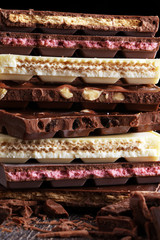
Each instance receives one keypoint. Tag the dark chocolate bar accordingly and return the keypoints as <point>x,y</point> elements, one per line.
<point>78,46</point>
<point>81,196</point>
<point>71,23</point>
<point>96,97</point>
<point>108,223</point>
<point>140,215</point>
<point>120,208</point>
<point>37,125</point>
<point>16,176</point>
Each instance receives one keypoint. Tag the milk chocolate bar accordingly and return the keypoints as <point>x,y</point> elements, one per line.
<point>37,125</point>
<point>79,46</point>
<point>91,70</point>
<point>66,97</point>
<point>76,175</point>
<point>71,23</point>
<point>133,147</point>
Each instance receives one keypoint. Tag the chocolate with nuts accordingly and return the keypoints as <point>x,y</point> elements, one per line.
<point>108,97</point>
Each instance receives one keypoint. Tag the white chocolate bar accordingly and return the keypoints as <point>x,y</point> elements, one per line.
<point>143,146</point>
<point>91,70</point>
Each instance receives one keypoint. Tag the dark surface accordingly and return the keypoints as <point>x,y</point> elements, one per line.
<point>19,233</point>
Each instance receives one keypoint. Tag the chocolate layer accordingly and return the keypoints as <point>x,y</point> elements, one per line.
<point>70,23</point>
<point>76,175</point>
<point>76,45</point>
<point>96,97</point>
<point>37,125</point>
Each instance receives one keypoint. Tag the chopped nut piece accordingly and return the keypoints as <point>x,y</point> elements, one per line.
<point>3,92</point>
<point>107,95</point>
<point>91,94</point>
<point>118,97</point>
<point>87,111</point>
<point>66,93</point>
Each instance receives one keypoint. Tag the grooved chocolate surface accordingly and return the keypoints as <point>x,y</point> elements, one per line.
<point>37,125</point>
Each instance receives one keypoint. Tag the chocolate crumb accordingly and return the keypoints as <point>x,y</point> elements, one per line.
<point>5,212</point>
<point>53,209</point>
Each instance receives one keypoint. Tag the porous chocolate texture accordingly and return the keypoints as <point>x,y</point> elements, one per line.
<point>70,23</point>
<point>65,97</point>
<point>37,125</point>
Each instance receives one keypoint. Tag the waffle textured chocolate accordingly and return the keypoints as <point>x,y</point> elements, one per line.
<point>142,146</point>
<point>91,70</point>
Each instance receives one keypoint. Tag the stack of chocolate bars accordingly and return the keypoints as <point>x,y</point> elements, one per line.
<point>79,99</point>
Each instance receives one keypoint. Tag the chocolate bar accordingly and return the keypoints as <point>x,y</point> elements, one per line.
<point>91,70</point>
<point>140,215</point>
<point>94,197</point>
<point>65,97</point>
<point>54,209</point>
<point>79,46</point>
<point>76,175</point>
<point>119,208</point>
<point>108,223</point>
<point>71,23</point>
<point>30,125</point>
<point>143,146</point>
<point>142,221</point>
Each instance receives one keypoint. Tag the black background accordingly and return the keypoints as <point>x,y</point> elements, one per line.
<point>128,7</point>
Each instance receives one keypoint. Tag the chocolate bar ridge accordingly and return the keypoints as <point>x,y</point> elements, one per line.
<point>31,19</point>
<point>37,125</point>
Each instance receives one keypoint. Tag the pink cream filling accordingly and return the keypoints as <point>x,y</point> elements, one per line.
<point>35,175</point>
<point>134,45</point>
